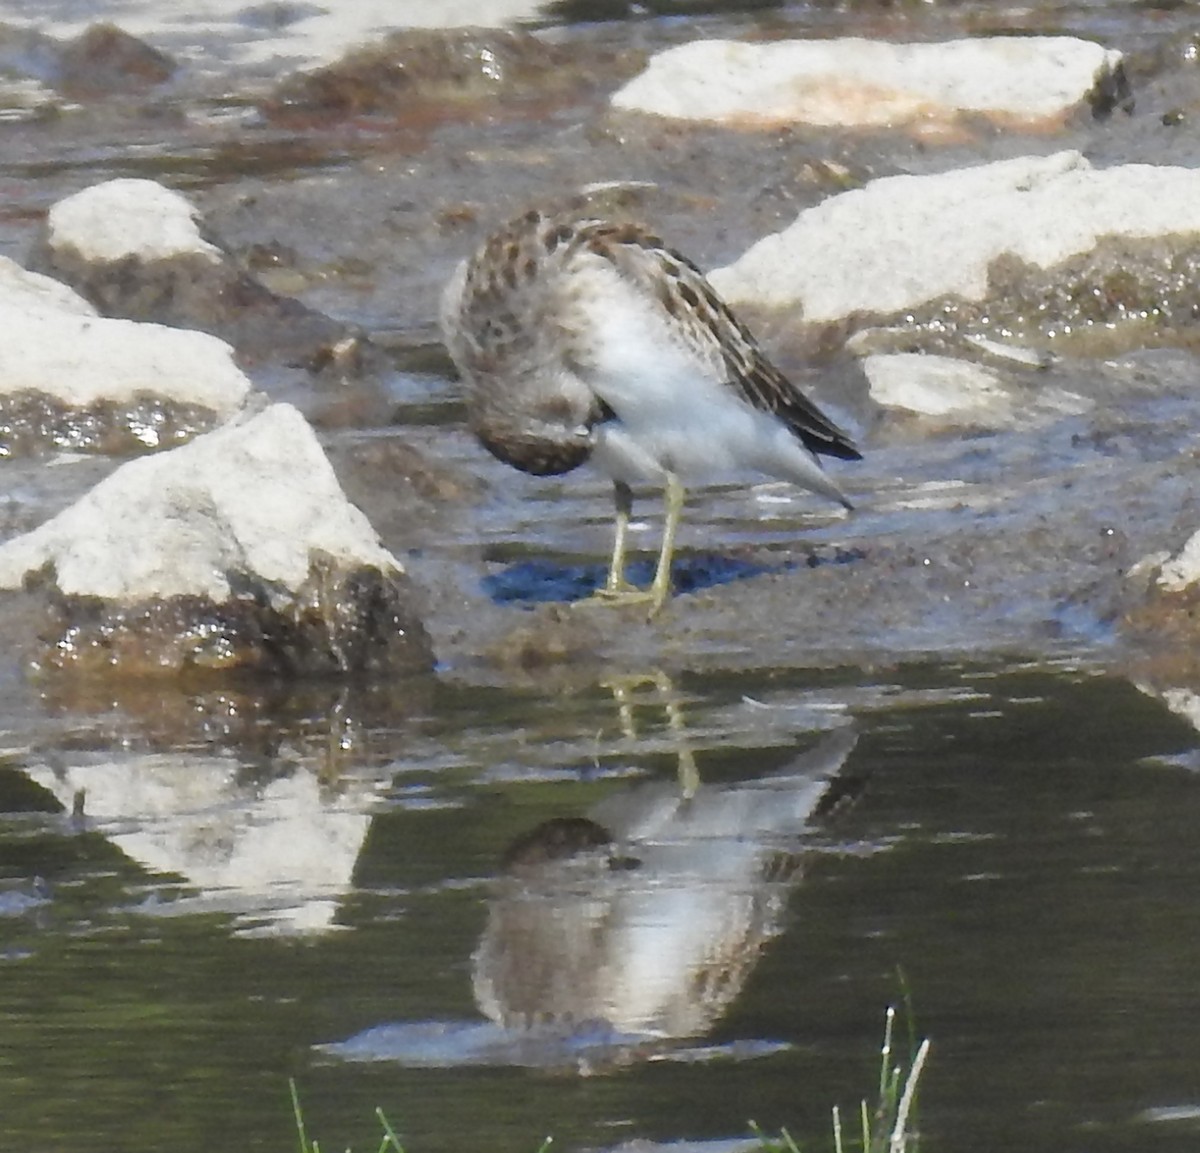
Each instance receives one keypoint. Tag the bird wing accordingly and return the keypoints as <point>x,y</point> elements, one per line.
<point>682,291</point>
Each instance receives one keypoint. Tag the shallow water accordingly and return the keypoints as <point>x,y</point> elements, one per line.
<point>1015,853</point>
<point>202,896</point>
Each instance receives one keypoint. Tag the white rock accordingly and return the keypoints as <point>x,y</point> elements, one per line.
<point>945,387</point>
<point>936,385</point>
<point>1184,569</point>
<point>80,360</point>
<point>1014,79</point>
<point>55,344</point>
<point>33,293</point>
<point>257,497</point>
<point>122,218</point>
<point>1149,566</point>
<point>1183,702</point>
<point>902,241</point>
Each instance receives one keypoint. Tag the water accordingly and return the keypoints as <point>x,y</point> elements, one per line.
<point>202,896</point>
<point>1015,851</point>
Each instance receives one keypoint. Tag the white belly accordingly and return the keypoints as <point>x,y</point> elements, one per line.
<point>675,412</point>
<point>699,441</point>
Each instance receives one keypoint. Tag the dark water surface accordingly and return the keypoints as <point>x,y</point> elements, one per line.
<point>1019,844</point>
<point>423,897</point>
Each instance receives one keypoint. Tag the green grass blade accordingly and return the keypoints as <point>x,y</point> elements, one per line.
<point>390,1137</point>
<point>298,1114</point>
<point>899,1138</point>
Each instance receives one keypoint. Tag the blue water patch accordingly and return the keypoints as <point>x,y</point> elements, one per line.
<point>18,902</point>
<point>1078,621</point>
<point>454,1044</point>
<point>451,1044</point>
<point>542,581</point>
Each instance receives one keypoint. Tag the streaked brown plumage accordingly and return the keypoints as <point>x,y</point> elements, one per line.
<point>580,338</point>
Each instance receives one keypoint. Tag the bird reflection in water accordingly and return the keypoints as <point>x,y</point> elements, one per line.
<point>613,936</point>
<point>646,916</point>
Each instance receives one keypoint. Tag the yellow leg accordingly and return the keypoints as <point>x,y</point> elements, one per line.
<point>616,589</point>
<point>660,589</point>
<point>689,774</point>
<point>623,495</point>
<point>624,689</point>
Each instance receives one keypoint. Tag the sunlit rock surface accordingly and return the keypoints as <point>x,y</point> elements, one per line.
<point>973,245</point>
<point>937,386</point>
<point>238,550</point>
<point>72,379</point>
<point>138,250</point>
<point>126,218</point>
<point>960,392</point>
<point>1182,571</point>
<point>1027,81</point>
<point>34,294</point>
<point>1163,619</point>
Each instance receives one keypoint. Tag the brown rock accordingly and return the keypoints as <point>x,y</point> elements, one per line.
<point>106,61</point>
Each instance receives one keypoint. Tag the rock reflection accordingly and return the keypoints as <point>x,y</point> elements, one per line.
<point>257,719</point>
<point>278,852</point>
<point>649,914</point>
<point>264,819</point>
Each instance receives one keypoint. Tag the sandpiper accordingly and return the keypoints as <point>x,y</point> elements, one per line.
<point>581,339</point>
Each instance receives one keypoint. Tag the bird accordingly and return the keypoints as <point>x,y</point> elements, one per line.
<point>580,338</point>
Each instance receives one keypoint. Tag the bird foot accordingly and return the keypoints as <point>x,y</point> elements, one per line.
<point>624,595</point>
